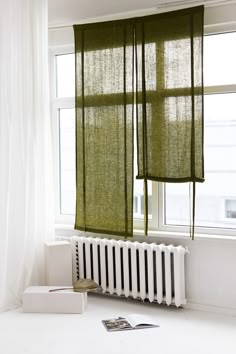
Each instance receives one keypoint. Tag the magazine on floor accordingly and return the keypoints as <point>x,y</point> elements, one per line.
<point>133,321</point>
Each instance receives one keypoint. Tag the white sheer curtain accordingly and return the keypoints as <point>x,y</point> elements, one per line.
<point>26,200</point>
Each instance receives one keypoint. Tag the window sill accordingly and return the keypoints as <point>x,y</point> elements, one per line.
<point>184,236</point>
<point>67,230</point>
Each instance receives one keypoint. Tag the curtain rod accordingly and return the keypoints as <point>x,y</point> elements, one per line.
<point>150,11</point>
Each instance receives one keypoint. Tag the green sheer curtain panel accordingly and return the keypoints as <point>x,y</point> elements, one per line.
<point>104,54</point>
<point>169,94</point>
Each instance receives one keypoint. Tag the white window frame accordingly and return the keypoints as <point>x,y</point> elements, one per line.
<point>58,103</point>
<point>156,225</point>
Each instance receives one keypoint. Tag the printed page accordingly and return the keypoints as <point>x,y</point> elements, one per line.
<point>141,321</point>
<point>117,324</point>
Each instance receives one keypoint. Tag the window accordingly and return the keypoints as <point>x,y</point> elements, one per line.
<point>63,123</point>
<point>169,204</point>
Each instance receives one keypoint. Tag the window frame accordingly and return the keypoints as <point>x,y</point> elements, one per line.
<point>156,225</point>
<point>57,103</point>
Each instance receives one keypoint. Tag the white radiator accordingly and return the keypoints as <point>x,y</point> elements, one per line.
<point>132,269</point>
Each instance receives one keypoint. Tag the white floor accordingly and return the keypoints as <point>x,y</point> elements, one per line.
<point>181,331</point>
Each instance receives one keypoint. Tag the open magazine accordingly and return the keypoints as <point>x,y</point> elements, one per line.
<point>133,321</point>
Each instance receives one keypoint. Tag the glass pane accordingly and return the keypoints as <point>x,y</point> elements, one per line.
<point>211,206</point>
<point>65,70</point>
<point>67,161</point>
<point>139,199</point>
<point>215,205</point>
<point>220,135</point>
<point>220,107</point>
<point>220,159</point>
<point>219,59</point>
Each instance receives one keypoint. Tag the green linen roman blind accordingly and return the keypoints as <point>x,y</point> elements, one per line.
<point>169,95</point>
<point>151,68</point>
<point>104,127</point>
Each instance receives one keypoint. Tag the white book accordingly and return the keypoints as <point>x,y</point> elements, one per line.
<point>132,321</point>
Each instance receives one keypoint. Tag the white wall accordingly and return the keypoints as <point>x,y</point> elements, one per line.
<point>211,263</point>
<point>210,273</point>
<point>210,269</point>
